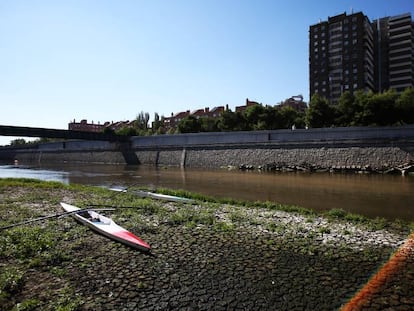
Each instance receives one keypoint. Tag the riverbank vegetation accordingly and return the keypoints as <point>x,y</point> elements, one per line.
<point>359,109</point>
<point>59,251</point>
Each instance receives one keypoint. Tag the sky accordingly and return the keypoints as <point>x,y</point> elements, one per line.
<point>105,60</point>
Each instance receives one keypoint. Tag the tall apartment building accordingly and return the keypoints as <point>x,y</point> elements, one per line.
<point>349,53</point>
<point>394,52</point>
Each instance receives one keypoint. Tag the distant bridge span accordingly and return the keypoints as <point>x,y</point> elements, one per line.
<point>22,131</point>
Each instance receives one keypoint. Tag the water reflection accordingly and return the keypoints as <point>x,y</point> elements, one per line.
<point>370,195</point>
<point>12,171</point>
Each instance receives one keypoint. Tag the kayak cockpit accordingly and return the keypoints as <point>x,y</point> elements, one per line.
<point>95,218</point>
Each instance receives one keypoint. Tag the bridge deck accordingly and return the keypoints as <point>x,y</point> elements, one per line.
<point>22,131</point>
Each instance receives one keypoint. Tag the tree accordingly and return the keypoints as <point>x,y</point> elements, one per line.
<point>209,124</point>
<point>108,130</point>
<point>189,124</point>
<point>18,142</point>
<point>320,113</point>
<point>158,123</point>
<point>232,121</point>
<point>290,116</point>
<point>380,109</point>
<point>345,112</point>
<point>272,119</point>
<point>127,131</point>
<point>361,114</point>
<point>254,115</point>
<point>405,106</point>
<point>141,120</point>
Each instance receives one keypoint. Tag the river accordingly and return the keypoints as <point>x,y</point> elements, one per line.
<point>373,195</point>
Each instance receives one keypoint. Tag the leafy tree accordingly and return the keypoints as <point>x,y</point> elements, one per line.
<point>405,106</point>
<point>380,109</point>
<point>362,115</point>
<point>189,124</point>
<point>345,112</point>
<point>18,142</point>
<point>254,115</point>
<point>290,116</point>
<point>108,130</point>
<point>158,124</point>
<point>127,131</point>
<point>320,113</point>
<point>141,120</point>
<point>209,124</point>
<point>272,119</point>
<point>232,121</point>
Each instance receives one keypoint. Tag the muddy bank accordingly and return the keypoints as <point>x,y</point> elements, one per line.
<point>204,256</point>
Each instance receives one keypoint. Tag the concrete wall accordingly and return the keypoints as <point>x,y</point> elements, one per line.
<point>278,136</point>
<point>378,148</point>
<point>325,148</point>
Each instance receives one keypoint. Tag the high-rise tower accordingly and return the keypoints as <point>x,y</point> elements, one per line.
<point>349,53</point>
<point>394,52</point>
<point>341,56</point>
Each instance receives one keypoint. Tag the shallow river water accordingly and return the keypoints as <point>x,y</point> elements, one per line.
<point>385,196</point>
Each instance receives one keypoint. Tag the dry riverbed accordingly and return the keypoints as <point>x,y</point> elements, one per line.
<point>205,256</point>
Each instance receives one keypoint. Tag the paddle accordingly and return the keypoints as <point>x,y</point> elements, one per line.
<point>54,216</point>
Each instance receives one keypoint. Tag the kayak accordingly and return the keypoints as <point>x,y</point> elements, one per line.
<point>107,227</point>
<point>158,196</point>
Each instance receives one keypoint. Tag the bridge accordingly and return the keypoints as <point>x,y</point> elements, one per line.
<point>22,131</point>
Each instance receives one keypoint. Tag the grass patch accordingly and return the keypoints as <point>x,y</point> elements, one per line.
<point>189,217</point>
<point>68,301</point>
<point>324,230</point>
<point>11,280</point>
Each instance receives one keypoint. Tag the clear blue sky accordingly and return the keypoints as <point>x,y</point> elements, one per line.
<point>109,60</point>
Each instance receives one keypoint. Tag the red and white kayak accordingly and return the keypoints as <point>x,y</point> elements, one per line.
<point>106,227</point>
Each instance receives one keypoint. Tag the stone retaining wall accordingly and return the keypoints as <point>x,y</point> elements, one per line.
<point>321,157</point>
<point>377,148</point>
